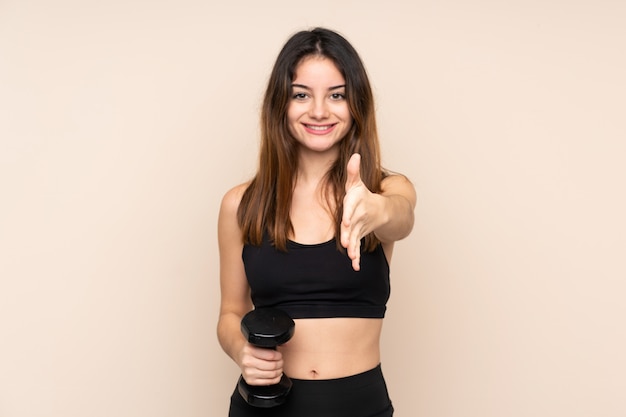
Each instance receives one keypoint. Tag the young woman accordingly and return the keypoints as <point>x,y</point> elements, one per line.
<point>312,234</point>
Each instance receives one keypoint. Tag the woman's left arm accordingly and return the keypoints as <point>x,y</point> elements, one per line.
<point>398,208</point>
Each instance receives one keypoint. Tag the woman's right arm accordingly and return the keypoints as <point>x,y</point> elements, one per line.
<point>258,366</point>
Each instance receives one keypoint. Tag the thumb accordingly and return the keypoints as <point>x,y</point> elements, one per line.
<point>353,171</point>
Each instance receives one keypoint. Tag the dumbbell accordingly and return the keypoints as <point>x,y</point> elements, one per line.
<point>266,328</point>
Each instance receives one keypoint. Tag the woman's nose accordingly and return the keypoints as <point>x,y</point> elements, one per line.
<point>318,109</point>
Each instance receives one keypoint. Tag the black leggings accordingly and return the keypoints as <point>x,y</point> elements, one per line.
<point>361,395</point>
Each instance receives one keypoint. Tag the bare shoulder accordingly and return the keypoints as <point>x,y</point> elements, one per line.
<point>232,198</point>
<point>398,184</point>
<point>228,226</point>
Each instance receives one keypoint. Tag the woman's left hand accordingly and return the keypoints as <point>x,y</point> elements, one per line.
<point>361,211</point>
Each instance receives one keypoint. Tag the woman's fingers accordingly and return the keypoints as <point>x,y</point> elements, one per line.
<point>261,366</point>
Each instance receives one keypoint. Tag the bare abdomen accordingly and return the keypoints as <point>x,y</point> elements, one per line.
<point>332,348</point>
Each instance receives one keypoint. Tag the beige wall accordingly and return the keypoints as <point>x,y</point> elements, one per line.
<point>122,123</point>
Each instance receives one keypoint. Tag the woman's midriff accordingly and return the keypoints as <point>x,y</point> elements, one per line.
<point>332,348</point>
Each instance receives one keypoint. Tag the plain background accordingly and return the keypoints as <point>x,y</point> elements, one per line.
<point>122,123</point>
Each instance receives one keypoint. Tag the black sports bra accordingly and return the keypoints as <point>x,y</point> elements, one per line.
<point>317,281</point>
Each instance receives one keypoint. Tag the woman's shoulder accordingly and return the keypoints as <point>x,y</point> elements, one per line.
<point>232,197</point>
<point>396,183</point>
<point>228,225</point>
<point>391,177</point>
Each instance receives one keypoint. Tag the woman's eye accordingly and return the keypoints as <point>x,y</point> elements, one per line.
<point>299,96</point>
<point>337,96</point>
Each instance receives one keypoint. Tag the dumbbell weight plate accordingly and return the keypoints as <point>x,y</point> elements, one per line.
<point>267,327</point>
<point>265,396</point>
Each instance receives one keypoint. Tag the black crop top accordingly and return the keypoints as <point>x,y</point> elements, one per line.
<point>317,281</point>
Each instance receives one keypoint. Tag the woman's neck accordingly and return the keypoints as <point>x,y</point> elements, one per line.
<point>313,166</point>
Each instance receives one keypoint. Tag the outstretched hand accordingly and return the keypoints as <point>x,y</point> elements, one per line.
<point>358,211</point>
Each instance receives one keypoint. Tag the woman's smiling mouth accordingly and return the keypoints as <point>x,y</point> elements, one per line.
<point>319,129</point>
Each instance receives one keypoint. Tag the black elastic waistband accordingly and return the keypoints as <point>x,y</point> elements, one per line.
<point>360,395</point>
<point>355,381</point>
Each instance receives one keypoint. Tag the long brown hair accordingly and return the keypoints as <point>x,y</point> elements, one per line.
<point>266,203</point>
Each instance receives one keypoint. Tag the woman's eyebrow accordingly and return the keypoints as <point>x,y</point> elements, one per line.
<point>308,88</point>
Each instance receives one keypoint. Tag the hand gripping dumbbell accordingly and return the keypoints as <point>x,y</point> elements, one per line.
<point>266,328</point>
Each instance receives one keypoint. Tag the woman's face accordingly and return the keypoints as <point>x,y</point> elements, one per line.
<point>318,114</point>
